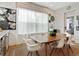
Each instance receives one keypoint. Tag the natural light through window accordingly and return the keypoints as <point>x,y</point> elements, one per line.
<point>29,21</point>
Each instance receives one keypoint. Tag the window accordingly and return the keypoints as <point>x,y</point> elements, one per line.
<point>29,21</point>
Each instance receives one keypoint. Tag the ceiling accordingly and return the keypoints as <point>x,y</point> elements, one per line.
<point>54,5</point>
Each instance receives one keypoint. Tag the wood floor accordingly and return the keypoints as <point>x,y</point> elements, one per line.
<point>21,50</point>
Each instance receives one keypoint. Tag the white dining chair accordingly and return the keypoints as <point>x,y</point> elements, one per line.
<point>57,47</point>
<point>32,46</point>
<point>68,44</point>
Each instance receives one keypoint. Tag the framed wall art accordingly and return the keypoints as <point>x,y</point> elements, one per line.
<point>7,18</point>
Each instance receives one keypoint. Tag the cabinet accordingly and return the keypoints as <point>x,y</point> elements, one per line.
<point>3,42</point>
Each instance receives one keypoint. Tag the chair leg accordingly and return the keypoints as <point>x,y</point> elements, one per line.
<point>28,53</point>
<point>55,50</point>
<point>70,48</point>
<point>37,53</point>
<point>46,49</point>
<point>62,51</point>
<point>67,50</point>
<point>49,45</point>
<point>31,53</point>
<point>51,51</point>
<point>58,50</point>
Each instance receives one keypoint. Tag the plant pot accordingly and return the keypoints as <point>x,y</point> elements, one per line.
<point>54,34</point>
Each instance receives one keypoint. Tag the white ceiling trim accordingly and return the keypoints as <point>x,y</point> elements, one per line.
<point>54,5</point>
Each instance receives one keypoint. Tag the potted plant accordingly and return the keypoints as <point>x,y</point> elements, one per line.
<point>53,33</point>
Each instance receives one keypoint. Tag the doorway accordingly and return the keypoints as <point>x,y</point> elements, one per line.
<point>69,23</point>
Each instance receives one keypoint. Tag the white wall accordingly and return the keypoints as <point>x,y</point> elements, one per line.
<point>59,18</point>
<point>11,5</point>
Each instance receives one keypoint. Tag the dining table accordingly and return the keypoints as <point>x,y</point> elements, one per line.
<point>49,39</point>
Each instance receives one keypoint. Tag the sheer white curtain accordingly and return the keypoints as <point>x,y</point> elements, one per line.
<point>29,21</point>
<point>21,21</point>
<point>38,22</point>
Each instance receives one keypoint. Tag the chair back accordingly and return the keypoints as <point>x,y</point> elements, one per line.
<point>32,45</point>
<point>29,42</point>
<point>60,43</point>
<point>69,39</point>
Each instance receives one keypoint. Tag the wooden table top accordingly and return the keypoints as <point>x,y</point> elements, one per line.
<point>56,38</point>
<point>47,38</point>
